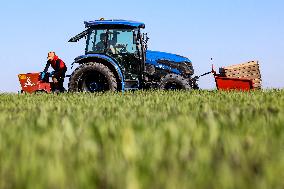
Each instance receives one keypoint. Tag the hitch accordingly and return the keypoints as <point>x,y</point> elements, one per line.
<point>212,71</point>
<point>197,77</point>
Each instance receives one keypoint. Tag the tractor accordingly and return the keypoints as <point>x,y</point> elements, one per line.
<point>117,59</point>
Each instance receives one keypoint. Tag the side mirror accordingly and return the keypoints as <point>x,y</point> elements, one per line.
<point>134,38</point>
<point>145,39</point>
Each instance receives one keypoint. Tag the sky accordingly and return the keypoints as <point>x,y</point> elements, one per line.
<point>229,31</point>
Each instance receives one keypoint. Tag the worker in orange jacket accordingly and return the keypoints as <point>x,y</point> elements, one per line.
<point>59,72</point>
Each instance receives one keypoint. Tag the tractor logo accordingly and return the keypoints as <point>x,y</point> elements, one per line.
<point>29,82</point>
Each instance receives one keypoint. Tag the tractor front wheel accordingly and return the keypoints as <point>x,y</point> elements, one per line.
<point>92,77</point>
<point>174,82</point>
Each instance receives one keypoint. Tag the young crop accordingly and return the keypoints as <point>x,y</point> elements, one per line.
<point>144,139</point>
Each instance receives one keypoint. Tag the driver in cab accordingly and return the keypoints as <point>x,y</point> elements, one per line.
<point>100,46</point>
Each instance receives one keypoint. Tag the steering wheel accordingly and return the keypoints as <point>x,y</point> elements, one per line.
<point>121,48</point>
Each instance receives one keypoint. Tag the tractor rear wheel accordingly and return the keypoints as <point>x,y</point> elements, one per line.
<point>174,82</point>
<point>92,77</point>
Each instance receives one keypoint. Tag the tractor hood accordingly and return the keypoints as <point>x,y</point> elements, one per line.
<point>154,57</point>
<point>172,62</point>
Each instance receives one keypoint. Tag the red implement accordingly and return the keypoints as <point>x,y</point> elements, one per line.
<point>226,83</point>
<point>230,83</point>
<point>31,83</point>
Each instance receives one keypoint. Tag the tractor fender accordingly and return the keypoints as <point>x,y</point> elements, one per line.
<point>104,59</point>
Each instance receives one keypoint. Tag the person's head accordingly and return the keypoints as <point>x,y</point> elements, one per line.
<point>51,55</point>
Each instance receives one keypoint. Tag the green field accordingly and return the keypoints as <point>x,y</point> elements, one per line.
<point>152,140</point>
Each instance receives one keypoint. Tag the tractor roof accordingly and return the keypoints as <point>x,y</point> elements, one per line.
<point>114,24</point>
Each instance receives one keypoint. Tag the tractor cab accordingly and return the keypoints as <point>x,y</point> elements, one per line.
<point>120,41</point>
<point>116,58</point>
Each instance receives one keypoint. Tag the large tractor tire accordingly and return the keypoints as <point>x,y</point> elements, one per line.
<point>92,77</point>
<point>174,82</point>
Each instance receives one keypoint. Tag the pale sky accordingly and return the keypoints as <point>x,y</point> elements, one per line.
<point>229,31</point>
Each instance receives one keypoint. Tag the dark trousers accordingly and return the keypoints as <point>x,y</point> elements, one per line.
<point>59,75</point>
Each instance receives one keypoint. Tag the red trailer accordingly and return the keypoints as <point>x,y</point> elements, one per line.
<point>31,83</point>
<point>226,83</point>
<point>231,83</point>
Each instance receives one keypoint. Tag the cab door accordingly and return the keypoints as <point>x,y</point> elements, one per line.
<point>122,46</point>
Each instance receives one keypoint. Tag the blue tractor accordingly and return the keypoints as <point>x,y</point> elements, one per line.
<point>116,59</point>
